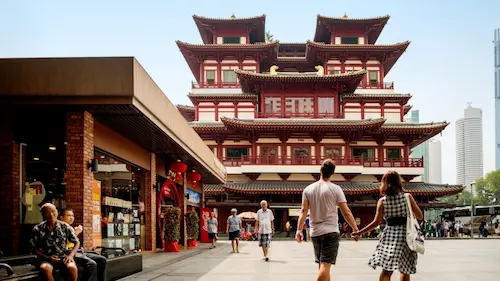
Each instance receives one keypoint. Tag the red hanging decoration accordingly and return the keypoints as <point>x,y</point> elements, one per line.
<point>178,168</point>
<point>194,177</point>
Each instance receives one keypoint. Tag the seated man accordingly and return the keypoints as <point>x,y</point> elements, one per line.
<point>49,240</point>
<point>95,265</point>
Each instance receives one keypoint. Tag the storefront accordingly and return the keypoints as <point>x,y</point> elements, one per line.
<point>100,146</point>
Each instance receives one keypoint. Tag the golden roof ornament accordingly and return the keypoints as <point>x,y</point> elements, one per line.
<point>233,16</point>
<point>272,70</point>
<point>320,69</point>
<point>345,16</point>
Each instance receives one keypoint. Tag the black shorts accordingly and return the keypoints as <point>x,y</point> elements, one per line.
<point>234,235</point>
<point>326,247</point>
<point>212,236</point>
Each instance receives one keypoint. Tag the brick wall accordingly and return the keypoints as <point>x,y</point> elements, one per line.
<point>9,187</point>
<point>79,153</point>
<point>150,206</point>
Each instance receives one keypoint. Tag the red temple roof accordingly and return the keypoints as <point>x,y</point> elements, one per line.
<point>386,54</point>
<point>419,132</point>
<point>395,98</point>
<point>206,26</point>
<point>222,96</point>
<point>301,125</point>
<point>349,80</point>
<point>407,108</point>
<point>188,112</point>
<point>196,53</point>
<point>373,26</point>
<point>349,188</point>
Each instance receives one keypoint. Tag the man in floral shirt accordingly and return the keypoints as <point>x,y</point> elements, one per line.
<point>49,240</point>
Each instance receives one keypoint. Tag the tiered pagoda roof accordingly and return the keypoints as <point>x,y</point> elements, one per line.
<point>206,26</point>
<point>393,98</point>
<point>187,111</point>
<point>373,26</point>
<point>349,188</point>
<point>196,97</point>
<point>250,81</point>
<point>412,133</point>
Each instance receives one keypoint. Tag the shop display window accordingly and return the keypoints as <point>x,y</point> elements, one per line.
<point>122,202</point>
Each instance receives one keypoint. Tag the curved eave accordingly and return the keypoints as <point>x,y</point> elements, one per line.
<point>303,124</point>
<point>224,47</point>
<point>201,127</point>
<point>399,98</point>
<point>185,108</point>
<point>374,25</point>
<point>222,97</point>
<point>418,133</point>
<point>407,108</point>
<point>351,79</point>
<point>432,189</point>
<point>389,53</point>
<point>206,23</point>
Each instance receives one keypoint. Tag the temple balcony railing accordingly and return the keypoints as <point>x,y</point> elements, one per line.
<point>377,85</point>
<point>208,85</point>
<point>312,160</point>
<point>301,115</point>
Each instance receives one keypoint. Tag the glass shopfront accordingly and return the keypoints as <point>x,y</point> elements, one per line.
<point>122,202</point>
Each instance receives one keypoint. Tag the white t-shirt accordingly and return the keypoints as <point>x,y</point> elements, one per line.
<point>265,219</point>
<point>323,198</point>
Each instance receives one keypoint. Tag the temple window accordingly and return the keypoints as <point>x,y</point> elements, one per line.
<point>393,153</point>
<point>231,40</point>
<point>364,153</point>
<point>300,155</point>
<point>349,40</point>
<point>236,152</point>
<point>300,106</point>
<point>333,152</point>
<point>334,72</point>
<point>373,78</point>
<point>210,74</point>
<point>229,77</point>
<point>273,105</point>
<point>326,106</point>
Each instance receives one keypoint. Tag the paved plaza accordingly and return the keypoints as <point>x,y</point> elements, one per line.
<point>444,260</point>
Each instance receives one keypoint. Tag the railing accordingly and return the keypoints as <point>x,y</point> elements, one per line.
<point>305,115</point>
<point>377,85</point>
<point>312,160</point>
<point>196,85</point>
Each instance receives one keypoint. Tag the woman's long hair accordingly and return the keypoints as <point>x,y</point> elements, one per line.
<point>391,184</point>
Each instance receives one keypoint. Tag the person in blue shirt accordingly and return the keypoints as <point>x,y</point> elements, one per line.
<point>308,228</point>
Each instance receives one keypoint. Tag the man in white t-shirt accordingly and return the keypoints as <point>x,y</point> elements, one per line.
<point>322,198</point>
<point>264,227</point>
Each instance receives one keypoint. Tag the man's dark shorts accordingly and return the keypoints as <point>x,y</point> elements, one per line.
<point>326,247</point>
<point>233,235</point>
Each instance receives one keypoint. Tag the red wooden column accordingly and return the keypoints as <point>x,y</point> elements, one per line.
<point>316,107</point>
<point>216,108</point>
<point>382,108</point>
<point>381,75</point>
<point>402,113</point>
<point>406,152</point>
<point>366,77</point>
<point>380,153</point>
<point>347,155</point>
<point>283,107</point>
<point>219,73</point>
<point>362,110</point>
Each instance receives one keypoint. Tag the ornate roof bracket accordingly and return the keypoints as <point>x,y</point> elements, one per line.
<point>252,176</point>
<point>318,136</point>
<point>379,177</point>
<point>284,136</point>
<point>408,178</point>
<point>284,176</point>
<point>349,176</point>
<point>316,176</point>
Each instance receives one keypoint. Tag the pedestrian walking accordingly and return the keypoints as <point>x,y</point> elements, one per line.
<point>288,227</point>
<point>322,199</point>
<point>392,252</point>
<point>264,226</point>
<point>233,228</point>
<point>308,228</point>
<point>212,229</point>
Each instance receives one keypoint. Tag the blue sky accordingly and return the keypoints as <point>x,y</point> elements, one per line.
<point>449,61</point>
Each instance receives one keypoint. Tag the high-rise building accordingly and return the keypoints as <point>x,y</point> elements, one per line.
<point>469,145</point>
<point>432,161</point>
<point>496,42</point>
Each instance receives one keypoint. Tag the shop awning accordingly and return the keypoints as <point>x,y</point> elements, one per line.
<point>119,93</point>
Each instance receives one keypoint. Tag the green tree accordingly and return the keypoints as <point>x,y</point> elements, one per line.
<point>269,37</point>
<point>461,199</point>
<point>487,188</point>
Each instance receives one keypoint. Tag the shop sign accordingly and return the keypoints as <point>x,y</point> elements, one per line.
<point>167,192</point>
<point>116,202</point>
<point>96,212</point>
<point>205,216</point>
<point>294,212</point>
<point>194,198</point>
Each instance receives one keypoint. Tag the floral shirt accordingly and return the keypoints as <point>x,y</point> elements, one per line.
<point>53,243</point>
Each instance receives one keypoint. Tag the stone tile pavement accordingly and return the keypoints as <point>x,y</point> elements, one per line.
<point>458,260</point>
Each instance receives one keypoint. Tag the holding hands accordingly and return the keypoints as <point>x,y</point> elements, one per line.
<point>356,235</point>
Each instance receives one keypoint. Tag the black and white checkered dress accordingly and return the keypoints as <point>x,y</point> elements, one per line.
<point>392,252</point>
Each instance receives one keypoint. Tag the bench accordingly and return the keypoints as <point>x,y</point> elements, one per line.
<point>119,265</point>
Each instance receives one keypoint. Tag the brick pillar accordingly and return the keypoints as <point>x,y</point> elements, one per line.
<point>79,153</point>
<point>150,206</point>
<point>9,187</point>
<point>183,207</point>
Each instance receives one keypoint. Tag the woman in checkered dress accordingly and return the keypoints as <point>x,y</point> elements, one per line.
<point>392,252</point>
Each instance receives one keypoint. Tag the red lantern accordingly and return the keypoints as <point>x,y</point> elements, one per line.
<point>194,177</point>
<point>178,168</point>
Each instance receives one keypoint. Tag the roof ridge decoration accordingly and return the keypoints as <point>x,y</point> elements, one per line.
<point>232,18</point>
<point>233,46</point>
<point>347,19</point>
<point>372,26</point>
<point>323,44</point>
<point>309,74</point>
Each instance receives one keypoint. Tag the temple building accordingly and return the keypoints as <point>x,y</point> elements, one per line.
<point>272,112</point>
